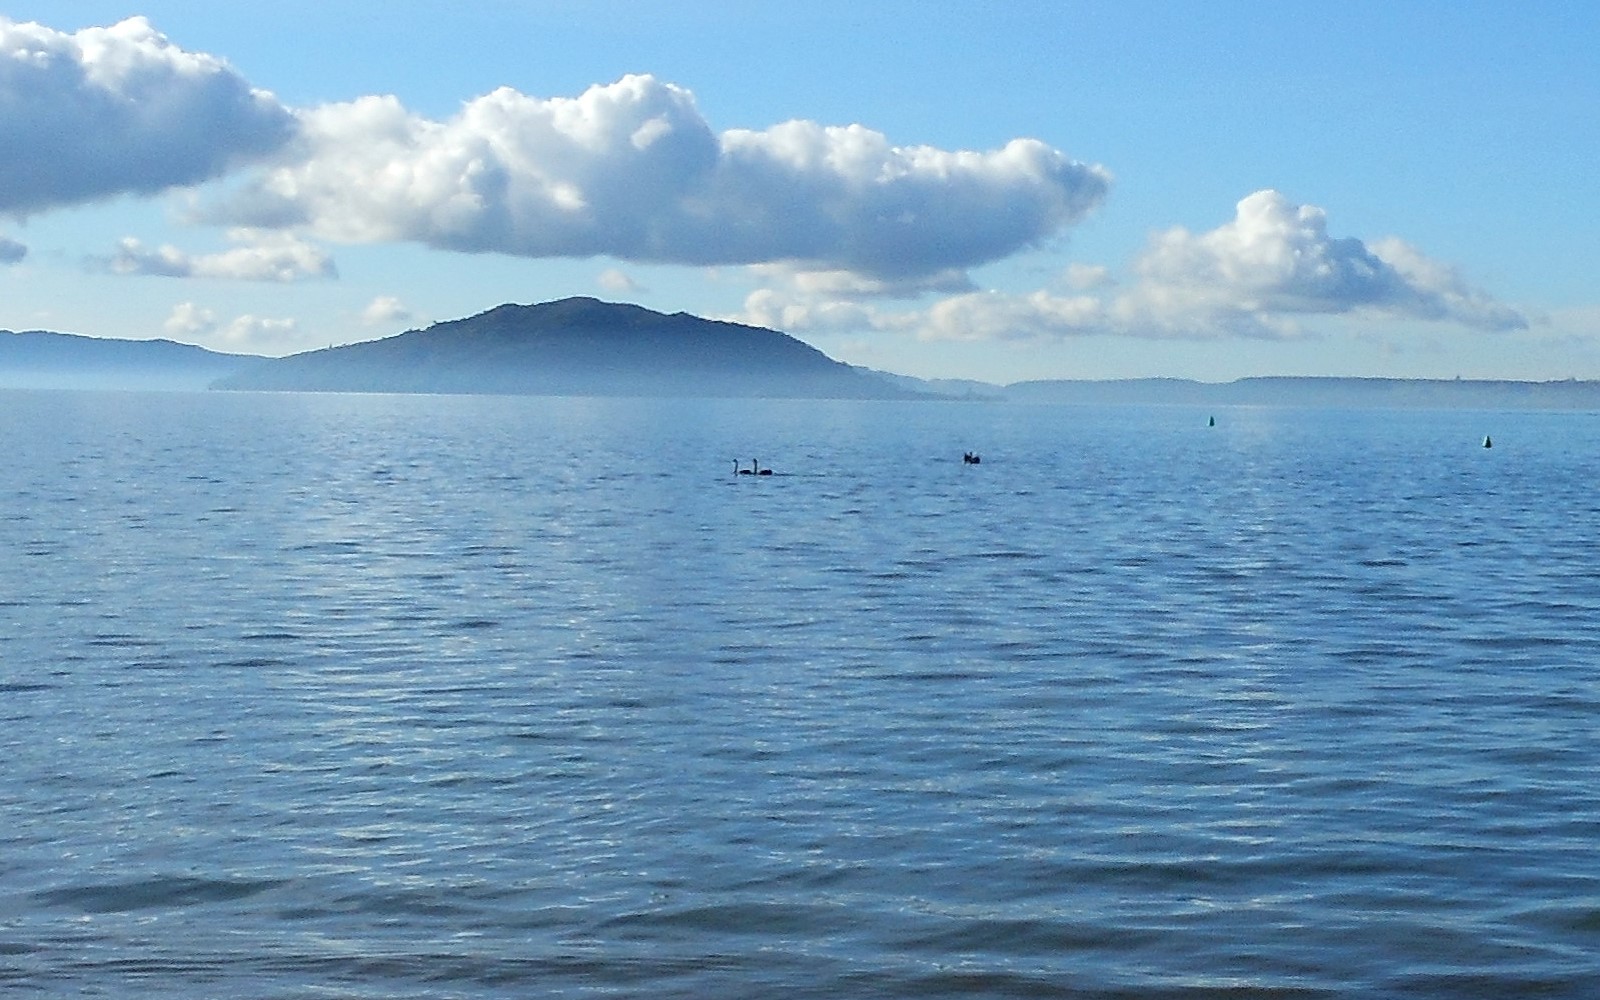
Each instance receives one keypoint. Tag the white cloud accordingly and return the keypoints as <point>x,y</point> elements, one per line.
<point>11,252</point>
<point>993,316</point>
<point>256,333</point>
<point>261,256</point>
<point>971,316</point>
<point>1275,262</point>
<point>851,285</point>
<point>776,310</point>
<point>617,283</point>
<point>118,110</point>
<point>632,170</point>
<point>385,310</point>
<point>1266,274</point>
<point>192,323</point>
<point>1441,293</point>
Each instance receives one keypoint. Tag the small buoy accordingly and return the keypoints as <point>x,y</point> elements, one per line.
<point>1486,442</point>
<point>1211,421</point>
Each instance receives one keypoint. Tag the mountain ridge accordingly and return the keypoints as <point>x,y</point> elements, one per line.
<point>576,346</point>
<point>44,359</point>
<point>647,353</point>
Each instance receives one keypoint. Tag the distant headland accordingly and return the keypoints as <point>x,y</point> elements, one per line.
<point>576,347</point>
<point>586,347</point>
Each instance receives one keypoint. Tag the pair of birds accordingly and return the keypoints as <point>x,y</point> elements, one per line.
<point>754,470</point>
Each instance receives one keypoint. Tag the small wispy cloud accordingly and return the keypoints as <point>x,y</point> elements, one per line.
<point>11,252</point>
<point>1087,277</point>
<point>260,256</point>
<point>188,320</point>
<point>385,310</point>
<point>617,282</point>
<point>193,323</point>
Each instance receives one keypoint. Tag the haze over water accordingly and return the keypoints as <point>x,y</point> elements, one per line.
<point>381,696</point>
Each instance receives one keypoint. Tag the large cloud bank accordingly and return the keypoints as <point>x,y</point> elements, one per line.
<point>1275,260</point>
<point>632,170</point>
<point>118,110</point>
<point>1259,275</point>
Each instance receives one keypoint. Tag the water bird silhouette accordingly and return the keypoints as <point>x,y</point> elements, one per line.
<point>1486,442</point>
<point>754,470</point>
<point>971,458</point>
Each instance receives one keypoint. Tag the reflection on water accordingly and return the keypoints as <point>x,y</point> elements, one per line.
<point>432,696</point>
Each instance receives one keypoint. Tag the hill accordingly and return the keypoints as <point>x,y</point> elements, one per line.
<point>575,347</point>
<point>40,359</point>
<point>582,346</point>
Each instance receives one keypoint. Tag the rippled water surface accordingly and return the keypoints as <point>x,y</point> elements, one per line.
<point>343,696</point>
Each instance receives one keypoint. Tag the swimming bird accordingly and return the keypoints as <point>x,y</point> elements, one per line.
<point>739,471</point>
<point>1486,442</point>
<point>755,464</point>
<point>971,458</point>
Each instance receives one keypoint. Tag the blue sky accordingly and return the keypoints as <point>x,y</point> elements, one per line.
<point>1001,191</point>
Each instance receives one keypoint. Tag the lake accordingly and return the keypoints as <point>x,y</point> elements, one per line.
<point>428,696</point>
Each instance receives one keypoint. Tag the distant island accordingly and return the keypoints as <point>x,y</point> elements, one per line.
<point>576,347</point>
<point>586,347</point>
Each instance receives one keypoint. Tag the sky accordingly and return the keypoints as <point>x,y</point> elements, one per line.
<point>958,189</point>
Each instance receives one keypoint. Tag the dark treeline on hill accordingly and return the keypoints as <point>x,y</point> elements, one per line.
<point>576,347</point>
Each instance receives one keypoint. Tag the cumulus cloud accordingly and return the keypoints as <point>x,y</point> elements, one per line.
<point>1440,293</point>
<point>633,171</point>
<point>11,252</point>
<point>190,322</point>
<point>1274,262</point>
<point>261,256</point>
<point>1262,275</point>
<point>385,310</point>
<point>116,110</point>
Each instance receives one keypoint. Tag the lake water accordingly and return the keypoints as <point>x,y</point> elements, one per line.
<point>380,696</point>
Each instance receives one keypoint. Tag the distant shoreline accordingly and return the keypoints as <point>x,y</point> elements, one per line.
<point>1320,392</point>
<point>573,347</point>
